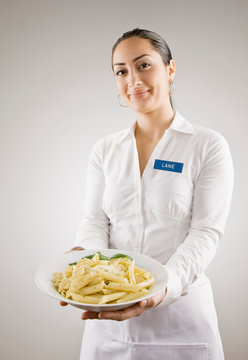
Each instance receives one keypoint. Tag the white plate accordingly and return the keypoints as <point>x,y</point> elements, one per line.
<point>45,272</point>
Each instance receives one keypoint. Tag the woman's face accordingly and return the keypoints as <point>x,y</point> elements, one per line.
<point>138,73</point>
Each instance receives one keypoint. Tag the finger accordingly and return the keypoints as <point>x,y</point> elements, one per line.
<point>153,301</point>
<point>132,311</point>
<point>63,303</point>
<point>76,248</point>
<point>121,315</point>
<point>89,315</point>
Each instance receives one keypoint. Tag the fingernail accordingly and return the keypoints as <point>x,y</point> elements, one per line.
<point>143,303</point>
<point>83,317</point>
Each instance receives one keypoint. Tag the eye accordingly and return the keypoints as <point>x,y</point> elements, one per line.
<point>120,71</point>
<point>145,64</point>
<point>123,71</point>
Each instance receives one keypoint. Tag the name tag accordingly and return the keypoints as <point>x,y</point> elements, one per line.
<point>168,165</point>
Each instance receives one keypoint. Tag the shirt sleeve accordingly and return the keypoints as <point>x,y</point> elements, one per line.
<point>93,232</point>
<point>211,203</point>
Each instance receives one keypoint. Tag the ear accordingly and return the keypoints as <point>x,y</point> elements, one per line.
<point>172,69</point>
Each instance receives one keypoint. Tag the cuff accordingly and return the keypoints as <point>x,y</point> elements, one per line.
<point>174,288</point>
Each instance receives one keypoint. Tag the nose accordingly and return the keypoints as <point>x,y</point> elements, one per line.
<point>134,83</point>
<point>133,79</point>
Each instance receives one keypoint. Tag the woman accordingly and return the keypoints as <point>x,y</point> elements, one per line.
<point>162,187</point>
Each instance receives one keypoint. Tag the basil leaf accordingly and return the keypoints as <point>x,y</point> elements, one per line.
<point>88,257</point>
<point>102,257</point>
<point>116,256</point>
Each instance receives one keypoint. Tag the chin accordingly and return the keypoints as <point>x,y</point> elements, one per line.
<point>143,109</point>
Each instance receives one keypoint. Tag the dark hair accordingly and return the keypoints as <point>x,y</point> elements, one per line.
<point>157,42</point>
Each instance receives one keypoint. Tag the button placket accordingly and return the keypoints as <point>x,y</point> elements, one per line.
<point>138,214</point>
<point>140,182</point>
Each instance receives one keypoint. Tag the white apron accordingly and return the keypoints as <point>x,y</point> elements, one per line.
<point>184,330</point>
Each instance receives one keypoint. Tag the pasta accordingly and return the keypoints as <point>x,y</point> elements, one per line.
<point>97,279</point>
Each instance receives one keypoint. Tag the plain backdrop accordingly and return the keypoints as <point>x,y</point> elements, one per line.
<point>57,98</point>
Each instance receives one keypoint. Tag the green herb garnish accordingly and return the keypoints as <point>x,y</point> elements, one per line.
<point>116,256</point>
<point>88,257</point>
<point>103,257</point>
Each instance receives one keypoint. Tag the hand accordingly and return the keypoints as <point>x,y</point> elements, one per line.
<point>132,311</point>
<point>76,248</point>
<point>63,303</point>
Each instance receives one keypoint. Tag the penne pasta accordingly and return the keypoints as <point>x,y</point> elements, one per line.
<point>108,276</point>
<point>133,295</point>
<point>85,299</point>
<point>111,297</point>
<point>107,291</point>
<point>92,289</point>
<point>131,273</point>
<point>101,280</point>
<point>130,287</point>
<point>79,283</point>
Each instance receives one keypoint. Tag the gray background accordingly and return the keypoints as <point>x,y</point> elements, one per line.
<point>57,98</point>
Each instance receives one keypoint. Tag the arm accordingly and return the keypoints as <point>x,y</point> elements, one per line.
<point>93,231</point>
<point>211,203</point>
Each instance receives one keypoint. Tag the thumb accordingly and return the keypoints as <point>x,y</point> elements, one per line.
<point>63,303</point>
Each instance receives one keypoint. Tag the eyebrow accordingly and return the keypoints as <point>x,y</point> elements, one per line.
<point>137,58</point>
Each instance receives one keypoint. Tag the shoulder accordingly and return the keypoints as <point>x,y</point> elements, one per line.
<point>118,136</point>
<point>212,146</point>
<point>110,144</point>
<point>200,139</point>
<point>200,134</point>
<point>203,141</point>
<point>203,132</point>
<point>208,138</point>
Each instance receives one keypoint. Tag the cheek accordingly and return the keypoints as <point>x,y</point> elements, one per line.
<point>156,80</point>
<point>118,85</point>
<point>121,89</point>
<point>162,89</point>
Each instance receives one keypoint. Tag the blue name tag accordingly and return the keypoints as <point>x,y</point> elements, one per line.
<point>168,165</point>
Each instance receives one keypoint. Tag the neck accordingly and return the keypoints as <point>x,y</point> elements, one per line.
<point>152,125</point>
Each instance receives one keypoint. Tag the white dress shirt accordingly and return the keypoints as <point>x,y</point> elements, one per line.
<point>176,212</point>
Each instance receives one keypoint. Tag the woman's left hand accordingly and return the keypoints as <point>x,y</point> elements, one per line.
<point>127,313</point>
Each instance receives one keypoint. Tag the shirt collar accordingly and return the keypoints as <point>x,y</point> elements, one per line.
<point>179,123</point>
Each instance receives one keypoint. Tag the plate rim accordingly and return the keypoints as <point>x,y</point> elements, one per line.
<point>103,306</point>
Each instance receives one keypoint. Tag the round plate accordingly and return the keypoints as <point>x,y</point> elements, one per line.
<point>45,272</point>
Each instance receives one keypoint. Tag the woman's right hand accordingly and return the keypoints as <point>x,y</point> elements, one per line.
<point>76,248</point>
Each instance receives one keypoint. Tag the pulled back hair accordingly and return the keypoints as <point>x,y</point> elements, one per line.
<point>157,42</point>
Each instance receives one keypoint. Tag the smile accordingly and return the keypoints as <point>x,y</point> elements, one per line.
<point>138,95</point>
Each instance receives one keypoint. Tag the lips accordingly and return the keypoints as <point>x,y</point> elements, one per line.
<point>138,94</point>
